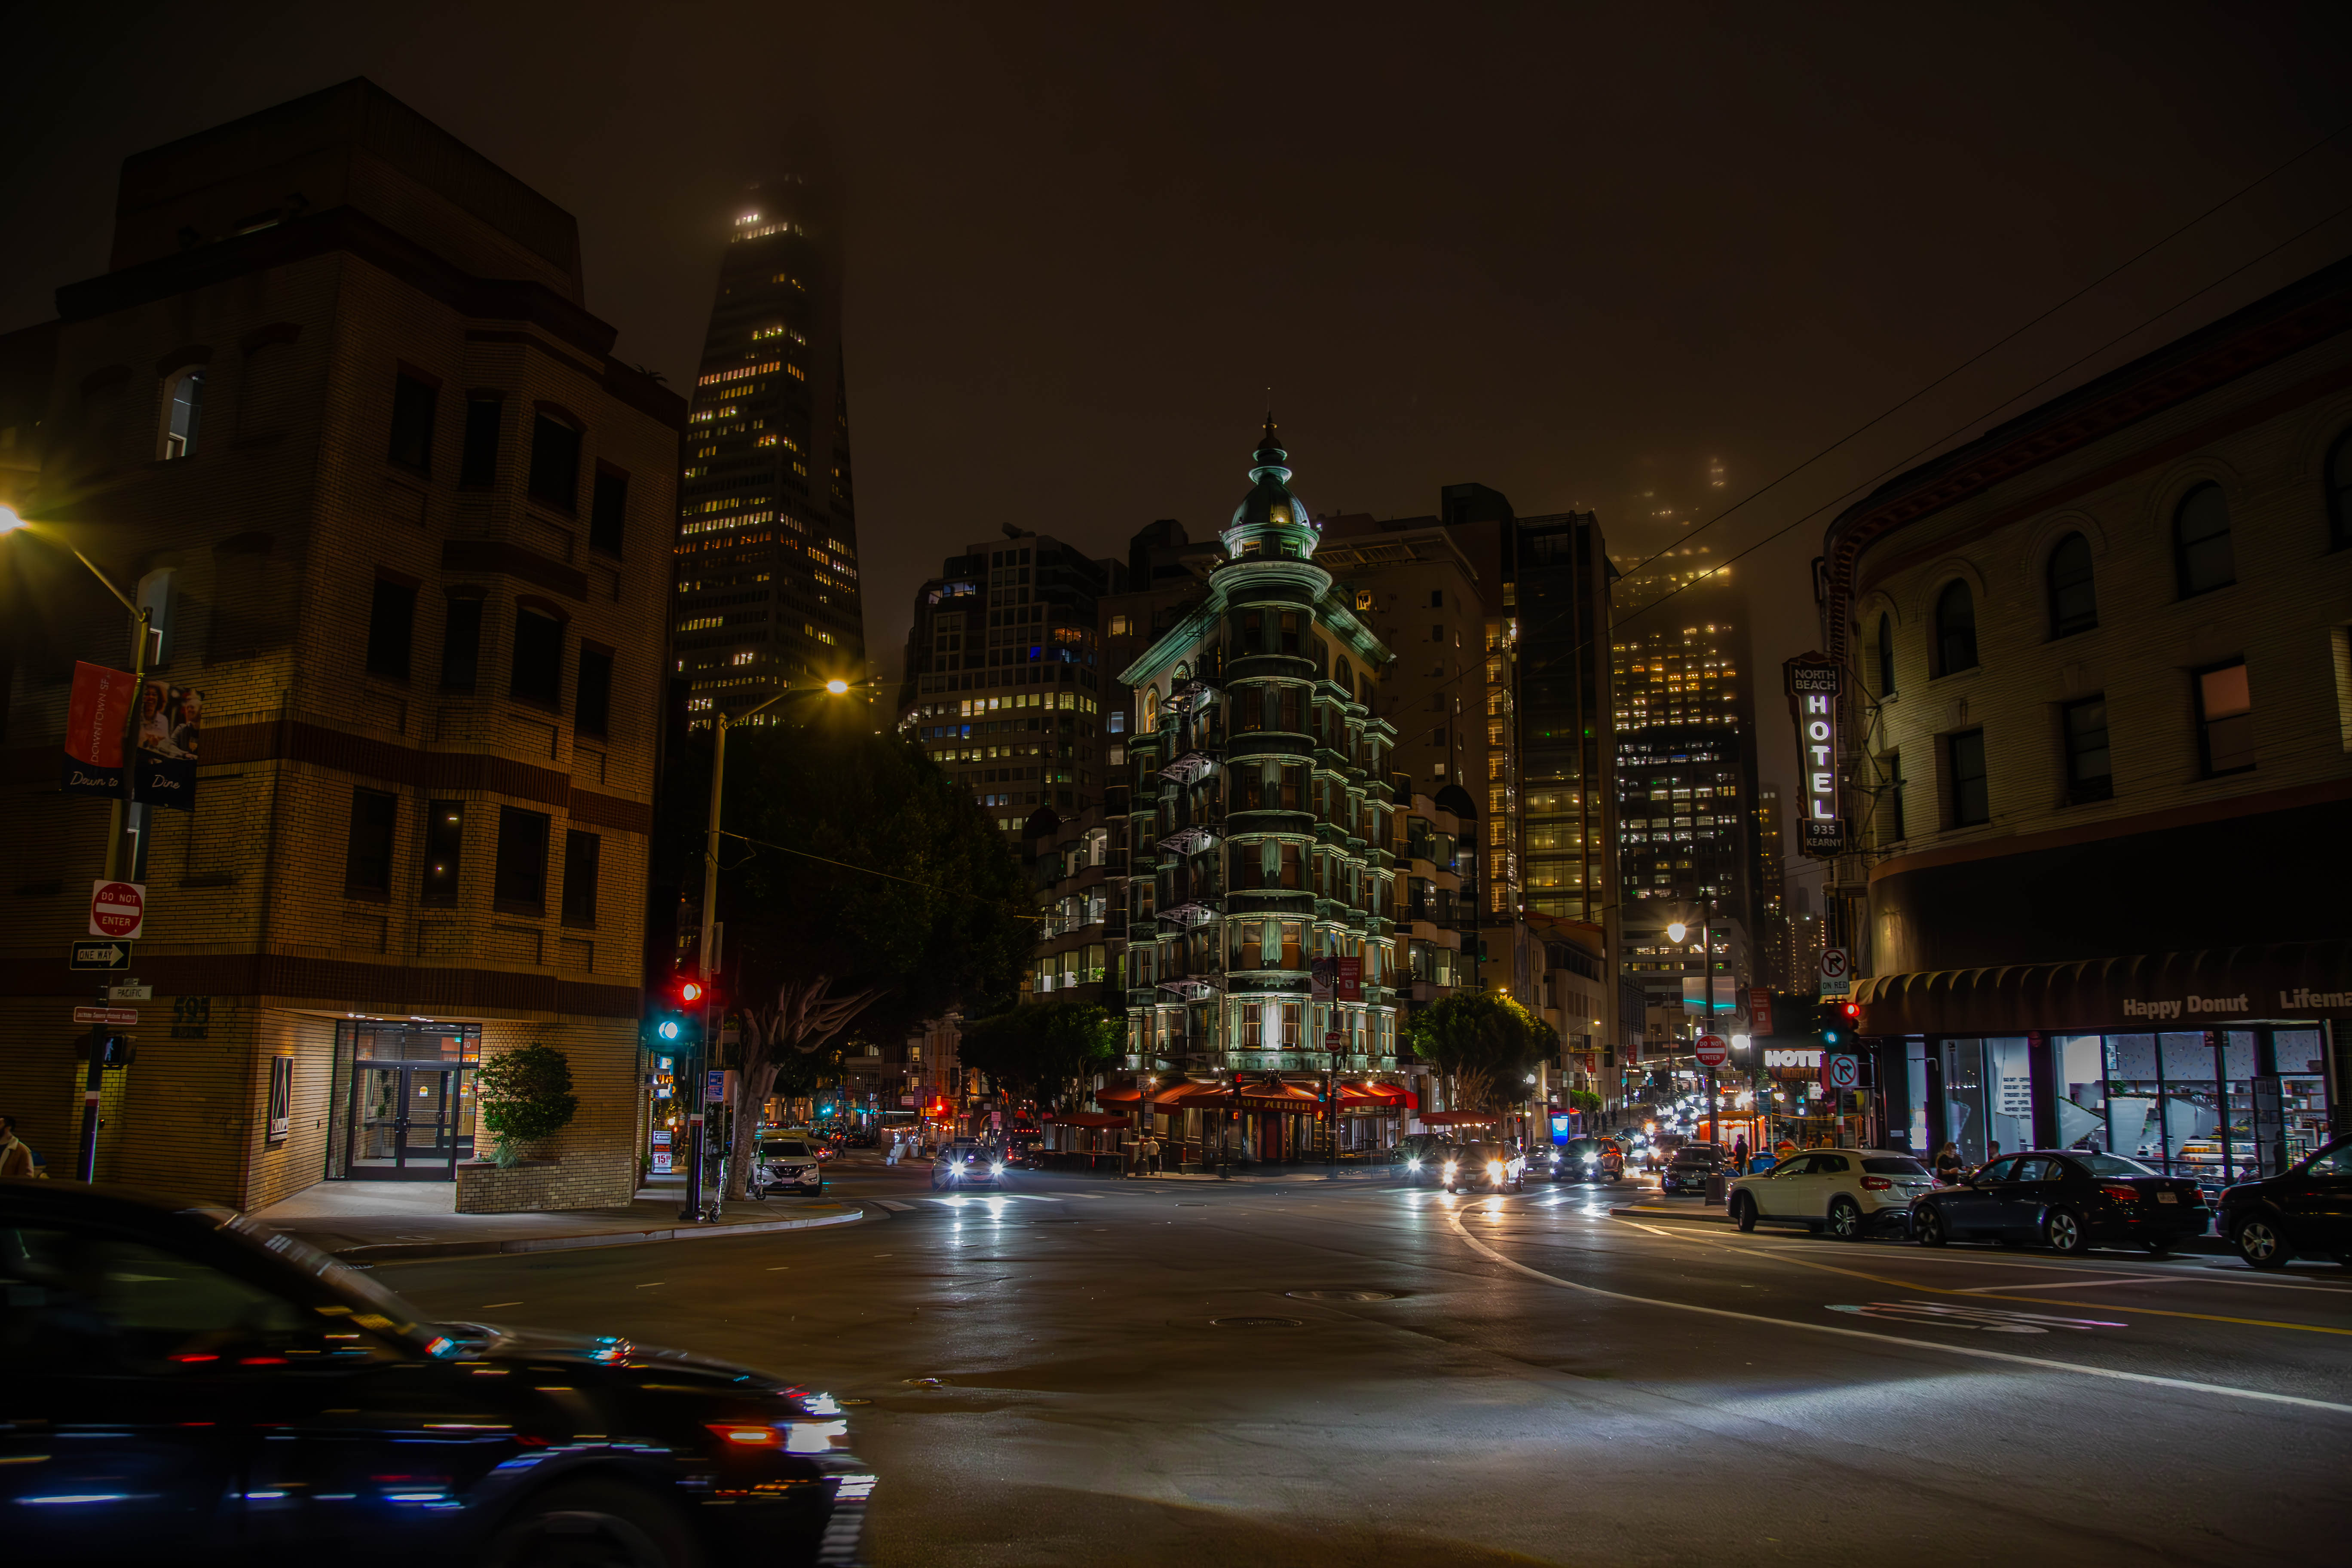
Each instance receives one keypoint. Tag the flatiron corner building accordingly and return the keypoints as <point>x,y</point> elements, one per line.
<point>339,412</point>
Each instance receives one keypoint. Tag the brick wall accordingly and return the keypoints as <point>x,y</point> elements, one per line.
<point>585,1182</point>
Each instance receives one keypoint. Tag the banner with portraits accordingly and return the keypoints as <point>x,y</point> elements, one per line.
<point>170,730</point>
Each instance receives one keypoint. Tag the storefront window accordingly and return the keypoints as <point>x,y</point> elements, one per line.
<point>1988,1097</point>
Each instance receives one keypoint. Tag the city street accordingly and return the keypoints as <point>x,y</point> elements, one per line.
<point>1300,1371</point>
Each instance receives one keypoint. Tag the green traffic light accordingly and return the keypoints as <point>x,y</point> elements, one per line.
<point>1829,1036</point>
<point>667,1029</point>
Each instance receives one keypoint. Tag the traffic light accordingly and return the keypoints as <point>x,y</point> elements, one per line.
<point>677,1016</point>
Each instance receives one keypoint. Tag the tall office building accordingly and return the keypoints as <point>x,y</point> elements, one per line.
<point>767,590</point>
<point>1772,950</point>
<point>1003,685</point>
<point>1686,715</point>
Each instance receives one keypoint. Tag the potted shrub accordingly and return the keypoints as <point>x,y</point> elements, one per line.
<point>525,1095</point>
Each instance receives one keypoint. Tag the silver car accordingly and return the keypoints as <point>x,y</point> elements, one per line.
<point>787,1162</point>
<point>1847,1191</point>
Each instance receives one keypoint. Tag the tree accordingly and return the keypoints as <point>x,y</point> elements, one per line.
<point>1042,1047</point>
<point>862,889</point>
<point>1487,1043</point>
<point>524,1096</point>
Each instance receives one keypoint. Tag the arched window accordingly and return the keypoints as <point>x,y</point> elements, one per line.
<point>2073,600</point>
<point>1955,630</point>
<point>184,412</point>
<point>1886,655</point>
<point>2200,541</point>
<point>2339,493</point>
<point>1150,716</point>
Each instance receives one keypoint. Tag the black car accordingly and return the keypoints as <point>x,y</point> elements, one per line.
<point>1424,1155</point>
<point>184,1383</point>
<point>1691,1166</point>
<point>2308,1210</point>
<point>2068,1199</point>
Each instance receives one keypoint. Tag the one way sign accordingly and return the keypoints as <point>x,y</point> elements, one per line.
<point>99,955</point>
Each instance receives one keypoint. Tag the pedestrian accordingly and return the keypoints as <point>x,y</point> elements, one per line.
<point>16,1157</point>
<point>1949,1166</point>
<point>1739,1153</point>
<point>1992,1152</point>
<point>1151,1154</point>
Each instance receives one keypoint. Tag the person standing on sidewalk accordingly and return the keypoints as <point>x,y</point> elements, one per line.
<point>16,1156</point>
<point>1151,1154</point>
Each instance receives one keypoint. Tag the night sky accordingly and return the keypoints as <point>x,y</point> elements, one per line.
<point>1593,256</point>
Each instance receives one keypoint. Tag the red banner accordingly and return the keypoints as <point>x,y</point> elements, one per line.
<point>1350,981</point>
<point>95,719</point>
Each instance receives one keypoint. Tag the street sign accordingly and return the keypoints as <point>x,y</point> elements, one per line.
<point>1843,1071</point>
<point>135,992</point>
<point>1711,1050</point>
<point>714,1086</point>
<point>98,955</point>
<point>125,1017</point>
<point>1330,1040</point>
<point>1760,1011</point>
<point>1837,973</point>
<point>117,909</point>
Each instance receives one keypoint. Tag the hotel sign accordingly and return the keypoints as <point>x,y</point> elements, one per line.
<point>1813,683</point>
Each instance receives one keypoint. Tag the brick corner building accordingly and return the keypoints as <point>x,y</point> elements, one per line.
<point>338,410</point>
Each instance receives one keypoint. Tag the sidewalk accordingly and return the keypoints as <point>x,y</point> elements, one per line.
<point>378,1222</point>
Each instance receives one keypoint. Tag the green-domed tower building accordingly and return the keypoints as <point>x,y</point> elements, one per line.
<point>1260,834</point>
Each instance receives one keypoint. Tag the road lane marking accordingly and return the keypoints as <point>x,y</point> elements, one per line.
<point>894,1205</point>
<point>1982,1293</point>
<point>1991,1319</point>
<point>2261,1396</point>
<point>2084,1284</point>
<point>488,1305</point>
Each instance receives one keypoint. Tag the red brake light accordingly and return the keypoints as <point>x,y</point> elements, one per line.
<point>1875,1184</point>
<point>2115,1192</point>
<point>743,1436</point>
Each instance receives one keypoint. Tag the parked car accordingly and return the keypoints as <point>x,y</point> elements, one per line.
<point>1688,1170</point>
<point>147,1347</point>
<point>788,1162</point>
<point>1424,1155</point>
<point>967,1162</point>
<point>1847,1191</point>
<point>1493,1167</point>
<point>1585,1160</point>
<point>2069,1200</point>
<point>2307,1211</point>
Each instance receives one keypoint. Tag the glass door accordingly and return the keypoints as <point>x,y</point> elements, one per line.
<point>412,1122</point>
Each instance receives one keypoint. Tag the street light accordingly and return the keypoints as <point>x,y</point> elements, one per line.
<point>94,1080</point>
<point>702,971</point>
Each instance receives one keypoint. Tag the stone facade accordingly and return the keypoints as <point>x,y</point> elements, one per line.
<point>413,560</point>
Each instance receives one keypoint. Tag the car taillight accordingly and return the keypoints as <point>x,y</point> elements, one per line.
<point>1875,1184</point>
<point>2115,1192</point>
<point>743,1436</point>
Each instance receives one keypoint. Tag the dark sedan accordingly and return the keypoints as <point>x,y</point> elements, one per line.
<point>184,1383</point>
<point>2069,1200</point>
<point>1691,1168</point>
<point>2308,1211</point>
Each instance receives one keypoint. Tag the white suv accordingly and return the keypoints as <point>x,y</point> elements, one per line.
<point>1847,1191</point>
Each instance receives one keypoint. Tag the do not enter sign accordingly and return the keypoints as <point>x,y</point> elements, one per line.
<point>1711,1050</point>
<point>117,909</point>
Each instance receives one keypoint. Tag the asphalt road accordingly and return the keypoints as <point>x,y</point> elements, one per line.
<point>1091,1371</point>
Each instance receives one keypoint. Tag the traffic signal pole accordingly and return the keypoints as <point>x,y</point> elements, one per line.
<point>706,1034</point>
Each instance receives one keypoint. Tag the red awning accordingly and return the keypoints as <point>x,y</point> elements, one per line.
<point>1281,1095</point>
<point>1090,1119</point>
<point>1377,1094</point>
<point>1191,1095</point>
<point>1457,1118</point>
<point>1117,1095</point>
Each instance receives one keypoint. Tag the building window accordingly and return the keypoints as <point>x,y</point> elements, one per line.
<point>2089,773</point>
<point>478,464</point>
<point>367,852</point>
<point>184,412</point>
<point>461,645</point>
<point>281,1096</point>
<point>2225,718</point>
<point>538,675</point>
<point>1955,630</point>
<point>444,845</point>
<point>592,702</point>
<point>392,617</point>
<point>1886,655</point>
<point>2339,493</point>
<point>519,882</point>
<point>2073,599</point>
<point>1971,803</point>
<point>1890,798</point>
<point>555,462</point>
<point>608,509</point>
<point>413,402</point>
<point>580,860</point>
<point>2200,541</point>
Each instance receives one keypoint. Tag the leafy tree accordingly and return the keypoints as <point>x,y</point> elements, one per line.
<point>1042,1047</point>
<point>524,1096</point>
<point>1487,1043</point>
<point>861,888</point>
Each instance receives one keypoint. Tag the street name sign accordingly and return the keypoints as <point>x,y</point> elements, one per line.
<point>117,909</point>
<point>98,955</point>
<point>135,992</point>
<point>125,1017</point>
<point>1711,1050</point>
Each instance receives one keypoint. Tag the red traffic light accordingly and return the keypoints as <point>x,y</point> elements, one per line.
<point>1852,1009</point>
<point>689,990</point>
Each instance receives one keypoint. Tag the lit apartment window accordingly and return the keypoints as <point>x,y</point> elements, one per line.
<point>184,410</point>
<point>2225,718</point>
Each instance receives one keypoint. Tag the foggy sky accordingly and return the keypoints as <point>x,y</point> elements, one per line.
<point>1594,256</point>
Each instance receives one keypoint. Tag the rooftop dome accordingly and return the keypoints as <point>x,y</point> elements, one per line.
<point>1271,521</point>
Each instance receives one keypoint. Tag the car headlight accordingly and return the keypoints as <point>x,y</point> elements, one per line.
<point>1495,1169</point>
<point>1590,1163</point>
<point>1413,1164</point>
<point>997,1169</point>
<point>1450,1167</point>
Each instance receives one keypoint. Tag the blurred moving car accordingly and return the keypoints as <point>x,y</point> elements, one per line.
<point>1847,1191</point>
<point>1424,1155</point>
<point>787,1161</point>
<point>1687,1170</point>
<point>187,1384</point>
<point>967,1162</point>
<point>1021,1146</point>
<point>864,1138</point>
<point>2069,1200</point>
<point>2307,1211</point>
<point>1585,1160</point>
<point>1493,1167</point>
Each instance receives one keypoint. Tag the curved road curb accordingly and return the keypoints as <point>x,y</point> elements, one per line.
<point>404,1251</point>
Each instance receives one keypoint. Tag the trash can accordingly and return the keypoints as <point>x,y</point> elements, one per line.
<point>1715,1187</point>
